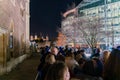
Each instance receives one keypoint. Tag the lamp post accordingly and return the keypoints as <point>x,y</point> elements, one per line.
<point>112,35</point>
<point>105,25</point>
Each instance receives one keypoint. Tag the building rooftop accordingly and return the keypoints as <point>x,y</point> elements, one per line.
<point>85,4</point>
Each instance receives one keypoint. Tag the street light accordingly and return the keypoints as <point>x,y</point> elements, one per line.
<point>105,25</point>
<point>112,35</point>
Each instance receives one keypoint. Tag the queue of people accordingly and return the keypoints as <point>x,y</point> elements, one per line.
<point>58,63</point>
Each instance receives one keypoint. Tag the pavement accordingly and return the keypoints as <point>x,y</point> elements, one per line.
<point>27,70</point>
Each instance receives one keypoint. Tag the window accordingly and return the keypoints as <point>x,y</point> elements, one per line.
<point>11,40</point>
<point>109,15</point>
<point>108,1</point>
<point>11,34</point>
<point>116,21</point>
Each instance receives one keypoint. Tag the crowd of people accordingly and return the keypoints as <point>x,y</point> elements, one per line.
<point>63,63</point>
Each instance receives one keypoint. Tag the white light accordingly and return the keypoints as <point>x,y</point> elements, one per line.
<point>88,55</point>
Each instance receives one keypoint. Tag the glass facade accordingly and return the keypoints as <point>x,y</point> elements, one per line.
<point>112,14</point>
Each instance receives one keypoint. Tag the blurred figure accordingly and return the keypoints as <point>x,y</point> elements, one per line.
<point>105,56</point>
<point>54,51</point>
<point>98,67</point>
<point>96,52</point>
<point>60,58</point>
<point>112,66</point>
<point>58,71</point>
<point>49,60</point>
<point>71,63</point>
<point>78,57</point>
<point>90,69</point>
<point>79,69</point>
<point>82,52</point>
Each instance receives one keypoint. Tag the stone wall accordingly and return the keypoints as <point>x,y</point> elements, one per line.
<point>14,31</point>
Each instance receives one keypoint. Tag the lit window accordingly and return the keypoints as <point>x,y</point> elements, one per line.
<point>11,34</point>
<point>108,0</point>
<point>109,15</point>
<point>11,40</point>
<point>119,20</point>
<point>116,20</point>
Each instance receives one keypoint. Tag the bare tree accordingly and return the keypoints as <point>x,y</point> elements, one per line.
<point>91,30</point>
<point>87,30</point>
<point>68,31</point>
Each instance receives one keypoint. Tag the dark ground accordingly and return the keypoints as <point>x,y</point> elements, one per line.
<point>26,70</point>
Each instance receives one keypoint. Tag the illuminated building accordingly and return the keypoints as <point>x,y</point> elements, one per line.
<point>109,13</point>
<point>14,33</point>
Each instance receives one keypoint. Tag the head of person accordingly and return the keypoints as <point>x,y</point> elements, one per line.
<point>54,50</point>
<point>58,71</point>
<point>70,54</point>
<point>98,66</point>
<point>78,57</point>
<point>112,66</point>
<point>60,58</point>
<point>81,62</point>
<point>82,51</point>
<point>50,59</point>
<point>89,68</point>
<point>105,56</point>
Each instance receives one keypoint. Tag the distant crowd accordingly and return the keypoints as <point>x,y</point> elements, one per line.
<point>66,63</point>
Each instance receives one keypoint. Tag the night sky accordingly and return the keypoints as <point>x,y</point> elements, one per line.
<point>45,16</point>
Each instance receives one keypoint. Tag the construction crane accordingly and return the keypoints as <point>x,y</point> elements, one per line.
<point>82,4</point>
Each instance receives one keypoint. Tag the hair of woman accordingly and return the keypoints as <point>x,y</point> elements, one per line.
<point>112,66</point>
<point>56,71</point>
